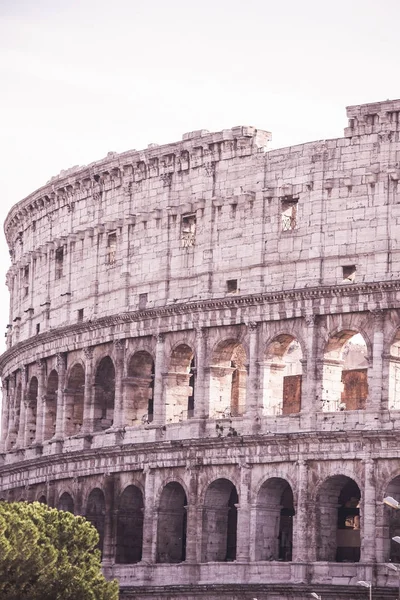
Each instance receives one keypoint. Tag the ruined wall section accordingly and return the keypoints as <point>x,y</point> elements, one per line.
<point>207,217</point>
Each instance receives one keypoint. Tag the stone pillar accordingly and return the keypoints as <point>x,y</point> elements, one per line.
<point>22,417</point>
<point>200,400</point>
<point>148,548</point>
<point>368,517</point>
<point>11,432</point>
<point>109,541</point>
<point>5,414</point>
<point>375,383</point>
<point>301,525</point>
<point>243,523</point>
<point>192,512</point>
<point>159,400</point>
<point>309,397</point>
<point>119,353</point>
<point>87,425</point>
<point>61,370</point>
<point>41,401</point>
<point>252,392</point>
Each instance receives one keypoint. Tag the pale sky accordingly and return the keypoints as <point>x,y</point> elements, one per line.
<point>80,78</point>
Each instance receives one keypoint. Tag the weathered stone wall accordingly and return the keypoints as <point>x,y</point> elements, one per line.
<point>203,356</point>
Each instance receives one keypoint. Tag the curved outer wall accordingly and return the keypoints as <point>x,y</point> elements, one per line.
<point>156,300</point>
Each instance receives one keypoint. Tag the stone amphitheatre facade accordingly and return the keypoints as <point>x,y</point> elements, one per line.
<point>203,358</point>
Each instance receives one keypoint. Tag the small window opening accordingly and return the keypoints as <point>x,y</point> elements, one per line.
<point>80,315</point>
<point>349,273</point>
<point>37,328</point>
<point>188,231</point>
<point>231,286</point>
<point>111,248</point>
<point>289,213</point>
<point>142,301</point>
<point>59,262</point>
<point>26,281</point>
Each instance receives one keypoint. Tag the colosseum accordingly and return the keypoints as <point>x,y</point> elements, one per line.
<point>203,358</point>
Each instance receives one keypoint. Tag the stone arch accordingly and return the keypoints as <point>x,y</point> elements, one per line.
<point>42,499</point>
<point>391,523</point>
<point>171,526</point>
<point>228,379</point>
<point>104,396</point>
<point>95,513</point>
<point>274,520</point>
<point>345,372</point>
<point>129,540</point>
<point>139,388</point>
<point>338,520</point>
<point>74,397</point>
<point>50,411</point>
<point>282,372</point>
<point>66,503</point>
<point>31,410</point>
<point>180,384</point>
<point>219,522</point>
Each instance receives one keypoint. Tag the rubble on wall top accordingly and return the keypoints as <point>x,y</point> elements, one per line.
<point>376,117</point>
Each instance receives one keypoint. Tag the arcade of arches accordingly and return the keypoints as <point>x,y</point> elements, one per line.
<point>111,386</point>
<point>178,528</point>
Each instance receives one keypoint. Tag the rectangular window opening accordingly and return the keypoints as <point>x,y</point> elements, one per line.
<point>188,231</point>
<point>80,315</point>
<point>349,273</point>
<point>37,328</point>
<point>111,247</point>
<point>289,213</point>
<point>232,286</point>
<point>59,262</point>
<point>142,301</point>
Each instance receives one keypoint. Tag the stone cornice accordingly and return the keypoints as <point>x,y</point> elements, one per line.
<point>375,295</point>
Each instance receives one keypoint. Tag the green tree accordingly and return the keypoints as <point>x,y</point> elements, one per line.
<point>47,554</point>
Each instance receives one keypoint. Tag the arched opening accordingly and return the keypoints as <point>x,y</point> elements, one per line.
<point>345,373</point>
<point>220,522</point>
<point>74,400</point>
<point>228,381</point>
<point>12,438</point>
<point>50,406</point>
<point>394,374</point>
<point>104,394</point>
<point>31,411</point>
<point>42,499</point>
<point>180,385</point>
<point>275,512</point>
<point>66,503</point>
<point>338,520</point>
<point>171,529</point>
<point>391,524</point>
<point>130,526</point>
<point>95,513</point>
<point>139,389</point>
<point>282,376</point>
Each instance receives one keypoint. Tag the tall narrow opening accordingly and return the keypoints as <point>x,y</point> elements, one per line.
<point>228,382</point>
<point>220,522</point>
<point>31,411</point>
<point>130,526</point>
<point>179,391</point>
<point>66,503</point>
<point>50,406</point>
<point>139,389</point>
<point>74,401</point>
<point>171,527</point>
<point>104,396</point>
<point>95,513</point>
<point>282,376</point>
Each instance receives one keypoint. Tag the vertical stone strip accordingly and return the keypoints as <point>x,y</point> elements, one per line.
<point>243,524</point>
<point>109,540</point>
<point>200,407</point>
<point>88,398</point>
<point>301,539</point>
<point>5,413</point>
<point>9,435</point>
<point>252,392</point>
<point>309,390</point>
<point>61,370</point>
<point>22,418</point>
<point>192,540</point>
<point>368,518</point>
<point>148,517</point>
<point>375,379</point>
<point>119,354</point>
<point>41,401</point>
<point>159,404</point>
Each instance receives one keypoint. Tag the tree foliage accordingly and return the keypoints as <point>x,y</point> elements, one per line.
<point>47,554</point>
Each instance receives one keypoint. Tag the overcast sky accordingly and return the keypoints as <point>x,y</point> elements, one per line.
<point>80,78</point>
